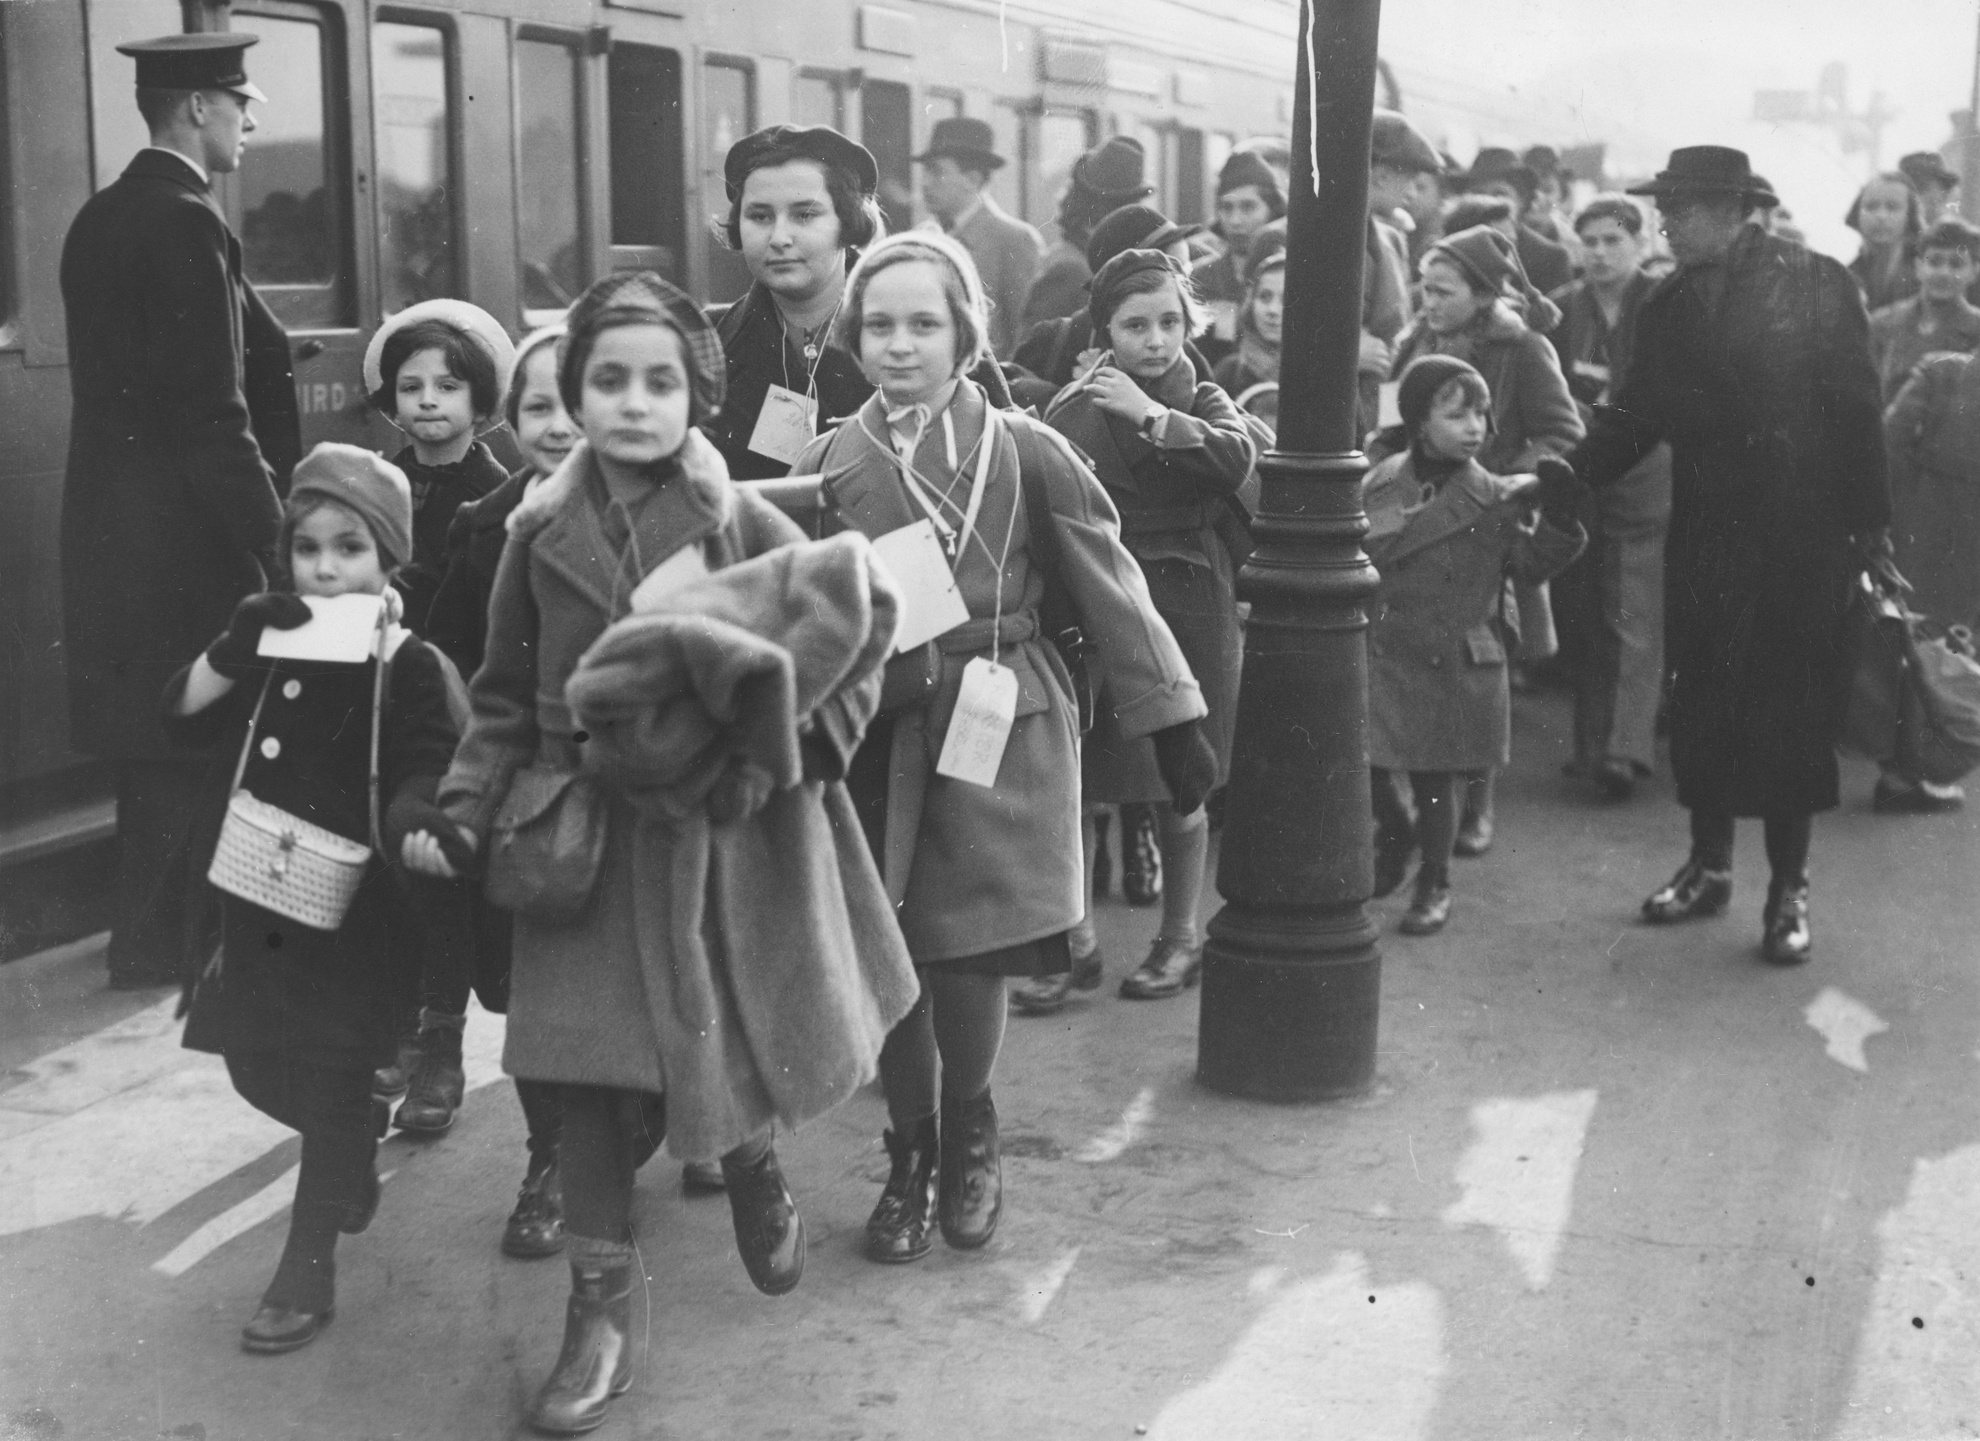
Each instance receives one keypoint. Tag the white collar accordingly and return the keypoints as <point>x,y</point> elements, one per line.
<point>184,159</point>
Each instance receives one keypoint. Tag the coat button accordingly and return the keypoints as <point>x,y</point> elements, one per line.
<point>291,690</point>
<point>270,748</point>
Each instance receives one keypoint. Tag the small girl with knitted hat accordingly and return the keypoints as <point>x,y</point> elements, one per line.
<point>302,1015</point>
<point>1445,533</point>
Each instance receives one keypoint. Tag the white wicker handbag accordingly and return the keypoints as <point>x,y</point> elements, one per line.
<point>283,863</point>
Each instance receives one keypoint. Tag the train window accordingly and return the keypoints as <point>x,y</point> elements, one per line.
<point>886,124</point>
<point>1156,169</point>
<point>728,112</point>
<point>550,156</point>
<point>817,100</point>
<point>1010,183</point>
<point>416,215</point>
<point>294,242</point>
<point>1062,137</point>
<point>116,130</point>
<point>649,186</point>
<point>1189,177</point>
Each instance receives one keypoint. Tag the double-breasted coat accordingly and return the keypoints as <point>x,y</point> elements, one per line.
<point>324,998</point>
<point>1437,693</point>
<point>183,434</point>
<point>1757,371</point>
<point>598,1001</point>
<point>977,869</point>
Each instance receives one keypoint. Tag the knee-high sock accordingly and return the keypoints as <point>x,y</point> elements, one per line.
<point>1185,854</point>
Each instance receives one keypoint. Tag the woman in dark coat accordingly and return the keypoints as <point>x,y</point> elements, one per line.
<point>1171,451</point>
<point>1753,361</point>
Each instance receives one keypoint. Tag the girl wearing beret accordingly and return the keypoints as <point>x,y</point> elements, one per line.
<point>1479,307</point>
<point>1171,452</point>
<point>304,1015</point>
<point>648,982</point>
<point>978,832</point>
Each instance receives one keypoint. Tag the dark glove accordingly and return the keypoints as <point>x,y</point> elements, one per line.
<point>1187,763</point>
<point>1880,559</point>
<point>233,655</point>
<point>1560,492</point>
<point>410,813</point>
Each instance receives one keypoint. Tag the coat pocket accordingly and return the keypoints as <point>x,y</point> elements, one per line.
<point>1482,645</point>
<point>546,845</point>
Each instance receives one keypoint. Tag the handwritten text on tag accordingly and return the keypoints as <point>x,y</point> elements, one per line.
<point>973,749</point>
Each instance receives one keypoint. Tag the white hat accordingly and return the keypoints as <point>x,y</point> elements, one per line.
<point>470,320</point>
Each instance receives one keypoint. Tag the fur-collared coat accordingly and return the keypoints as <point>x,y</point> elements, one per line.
<point>1757,371</point>
<point>779,1020</point>
<point>1437,693</point>
<point>976,869</point>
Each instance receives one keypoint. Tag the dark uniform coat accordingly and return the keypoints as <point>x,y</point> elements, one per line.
<point>184,429</point>
<point>322,998</point>
<point>1757,371</point>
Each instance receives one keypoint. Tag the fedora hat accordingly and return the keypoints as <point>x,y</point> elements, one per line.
<point>1134,227</point>
<point>1114,170</point>
<point>965,139</point>
<point>1924,167</point>
<point>1496,163</point>
<point>1708,170</point>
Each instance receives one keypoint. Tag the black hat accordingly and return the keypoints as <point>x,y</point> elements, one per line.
<point>1396,143</point>
<point>1925,167</point>
<point>1542,160</point>
<point>1247,167</point>
<point>811,142</point>
<point>964,139</point>
<point>210,60</point>
<point>1134,227</point>
<point>1495,163</point>
<point>1708,170</point>
<point>1114,170</point>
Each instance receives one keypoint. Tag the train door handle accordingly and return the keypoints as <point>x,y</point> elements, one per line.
<point>309,350</point>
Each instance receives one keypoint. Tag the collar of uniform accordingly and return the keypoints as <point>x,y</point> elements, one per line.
<point>186,160</point>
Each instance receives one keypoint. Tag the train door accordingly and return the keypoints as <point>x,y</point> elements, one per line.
<point>646,140</point>
<point>292,202</point>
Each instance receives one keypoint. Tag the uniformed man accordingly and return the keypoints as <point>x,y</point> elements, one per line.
<point>183,427</point>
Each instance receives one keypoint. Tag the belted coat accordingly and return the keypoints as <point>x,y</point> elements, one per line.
<point>1757,371</point>
<point>182,436</point>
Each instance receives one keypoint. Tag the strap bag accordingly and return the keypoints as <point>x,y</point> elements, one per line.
<point>283,863</point>
<point>546,845</point>
<point>1913,700</point>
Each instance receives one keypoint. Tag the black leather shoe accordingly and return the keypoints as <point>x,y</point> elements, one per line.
<point>769,1230</point>
<point>1042,995</point>
<point>277,1329</point>
<point>388,1083</point>
<point>703,1178</point>
<point>433,1094</point>
<point>1393,850</point>
<point>1693,891</point>
<point>1170,969</point>
<point>1141,856</point>
<point>902,1226</point>
<point>1429,910</point>
<point>596,1362</point>
<point>1787,940</point>
<point>536,1227</point>
<point>1615,779</point>
<point>971,1194</point>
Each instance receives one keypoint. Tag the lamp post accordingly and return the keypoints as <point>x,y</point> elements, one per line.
<point>1291,974</point>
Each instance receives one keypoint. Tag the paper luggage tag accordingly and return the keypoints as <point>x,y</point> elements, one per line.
<point>930,603</point>
<point>785,426</point>
<point>340,628</point>
<point>986,706</point>
<point>677,570</point>
<point>1388,404</point>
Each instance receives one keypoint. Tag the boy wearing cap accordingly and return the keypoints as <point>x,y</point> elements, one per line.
<point>184,424</point>
<point>955,186</point>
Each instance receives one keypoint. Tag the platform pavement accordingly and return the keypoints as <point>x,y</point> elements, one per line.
<point>1610,1182</point>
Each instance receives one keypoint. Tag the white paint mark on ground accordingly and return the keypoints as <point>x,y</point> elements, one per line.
<point>270,1199</point>
<point>1845,1023</point>
<point>1518,1176</point>
<point>1914,1358</point>
<point>1321,1361</point>
<point>1041,1289</point>
<point>1110,1143</point>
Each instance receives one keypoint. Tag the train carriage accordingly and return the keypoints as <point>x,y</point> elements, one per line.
<point>509,152</point>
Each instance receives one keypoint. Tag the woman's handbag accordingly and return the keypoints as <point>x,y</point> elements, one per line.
<point>546,845</point>
<point>1913,701</point>
<point>283,863</point>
